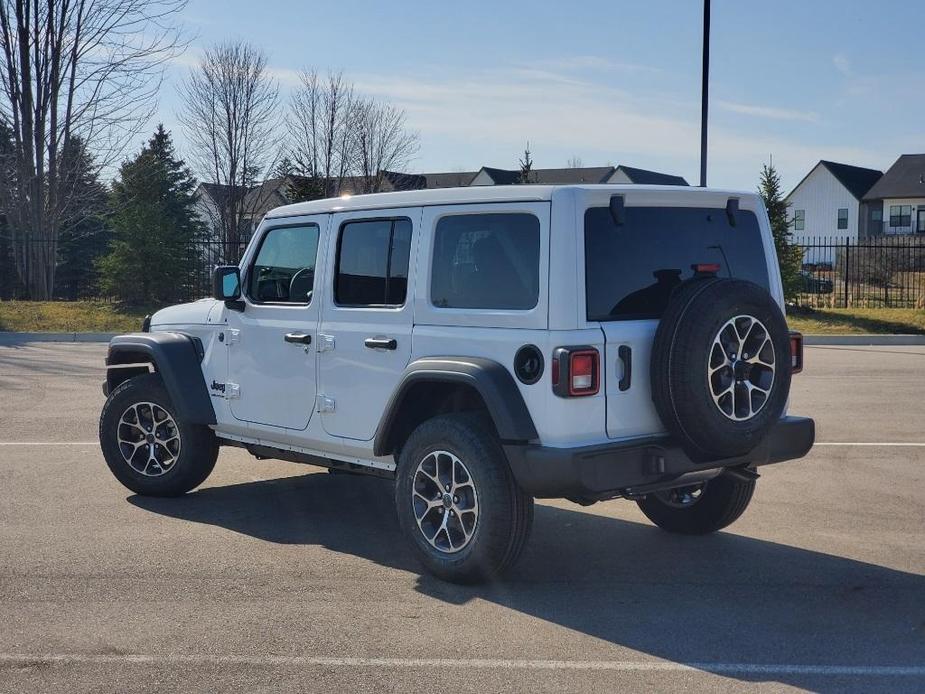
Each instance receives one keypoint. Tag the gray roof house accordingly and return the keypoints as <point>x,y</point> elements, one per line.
<point>488,176</point>
<point>274,192</point>
<point>630,174</point>
<point>896,203</point>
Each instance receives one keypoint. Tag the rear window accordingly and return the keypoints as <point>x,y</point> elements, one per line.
<point>631,269</point>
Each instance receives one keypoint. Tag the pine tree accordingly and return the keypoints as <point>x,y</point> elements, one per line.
<point>84,232</point>
<point>526,166</point>
<point>152,257</point>
<point>789,256</point>
<point>284,168</point>
<point>299,188</point>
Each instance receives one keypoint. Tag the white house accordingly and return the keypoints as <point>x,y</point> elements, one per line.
<point>827,205</point>
<point>896,203</point>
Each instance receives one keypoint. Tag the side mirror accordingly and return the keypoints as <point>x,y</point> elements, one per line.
<point>226,284</point>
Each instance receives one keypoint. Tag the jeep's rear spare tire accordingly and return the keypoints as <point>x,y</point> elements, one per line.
<point>720,366</point>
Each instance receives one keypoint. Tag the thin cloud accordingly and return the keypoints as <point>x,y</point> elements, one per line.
<point>769,112</point>
<point>490,113</point>
<point>593,62</point>
<point>842,64</point>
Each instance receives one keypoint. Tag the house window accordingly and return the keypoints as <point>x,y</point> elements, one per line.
<point>843,218</point>
<point>876,221</point>
<point>799,220</point>
<point>900,216</point>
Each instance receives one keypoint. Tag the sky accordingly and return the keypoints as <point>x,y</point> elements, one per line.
<point>609,82</point>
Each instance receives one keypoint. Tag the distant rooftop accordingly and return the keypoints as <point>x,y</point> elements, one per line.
<point>584,174</point>
<point>856,179</point>
<point>905,179</point>
<point>652,178</point>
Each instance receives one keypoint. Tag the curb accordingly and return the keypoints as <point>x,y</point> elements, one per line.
<point>9,338</point>
<point>863,340</point>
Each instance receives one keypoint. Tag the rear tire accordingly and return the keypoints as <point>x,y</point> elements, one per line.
<point>488,516</point>
<point>719,504</point>
<point>137,418</point>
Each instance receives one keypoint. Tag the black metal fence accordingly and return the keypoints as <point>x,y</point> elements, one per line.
<point>77,276</point>
<point>875,272</point>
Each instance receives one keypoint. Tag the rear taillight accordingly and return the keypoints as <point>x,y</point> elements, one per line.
<point>576,371</point>
<point>796,352</point>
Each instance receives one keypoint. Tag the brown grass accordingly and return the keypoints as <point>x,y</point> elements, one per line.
<point>854,321</point>
<point>70,316</point>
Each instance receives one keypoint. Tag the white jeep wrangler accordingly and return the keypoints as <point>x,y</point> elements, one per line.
<point>481,346</point>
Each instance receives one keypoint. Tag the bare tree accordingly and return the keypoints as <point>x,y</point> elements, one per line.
<point>73,68</point>
<point>383,142</point>
<point>575,162</point>
<point>321,130</point>
<point>231,117</point>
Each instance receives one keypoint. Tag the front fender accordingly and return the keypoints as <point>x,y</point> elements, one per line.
<point>176,357</point>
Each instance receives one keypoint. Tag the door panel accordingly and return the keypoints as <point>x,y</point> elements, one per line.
<point>276,375</point>
<point>367,318</point>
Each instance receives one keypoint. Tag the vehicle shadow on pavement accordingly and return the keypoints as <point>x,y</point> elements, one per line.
<point>718,599</point>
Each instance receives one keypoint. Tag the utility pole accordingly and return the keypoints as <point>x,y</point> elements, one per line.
<point>704,93</point>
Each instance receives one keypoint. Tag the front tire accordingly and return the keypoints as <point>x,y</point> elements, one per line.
<point>458,502</point>
<point>147,448</point>
<point>699,509</point>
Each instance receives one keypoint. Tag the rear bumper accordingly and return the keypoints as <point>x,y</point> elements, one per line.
<point>630,468</point>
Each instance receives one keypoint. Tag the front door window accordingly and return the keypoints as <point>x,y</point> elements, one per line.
<point>920,222</point>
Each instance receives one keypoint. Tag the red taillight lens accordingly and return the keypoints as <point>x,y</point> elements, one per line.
<point>576,371</point>
<point>583,373</point>
<point>796,352</point>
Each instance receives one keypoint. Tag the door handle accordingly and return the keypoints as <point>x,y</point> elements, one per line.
<point>298,338</point>
<point>381,342</point>
<point>625,353</point>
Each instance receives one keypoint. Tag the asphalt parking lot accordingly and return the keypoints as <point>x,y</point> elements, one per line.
<point>278,576</point>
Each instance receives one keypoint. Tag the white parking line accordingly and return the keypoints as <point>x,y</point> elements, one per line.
<point>25,659</point>
<point>893,444</point>
<point>49,443</point>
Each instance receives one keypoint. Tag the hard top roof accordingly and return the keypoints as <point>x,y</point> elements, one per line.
<point>473,194</point>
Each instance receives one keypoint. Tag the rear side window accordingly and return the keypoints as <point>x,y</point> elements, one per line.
<point>372,263</point>
<point>487,261</point>
<point>631,269</point>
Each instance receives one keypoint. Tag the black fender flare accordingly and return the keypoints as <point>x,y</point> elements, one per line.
<point>489,378</point>
<point>176,357</point>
